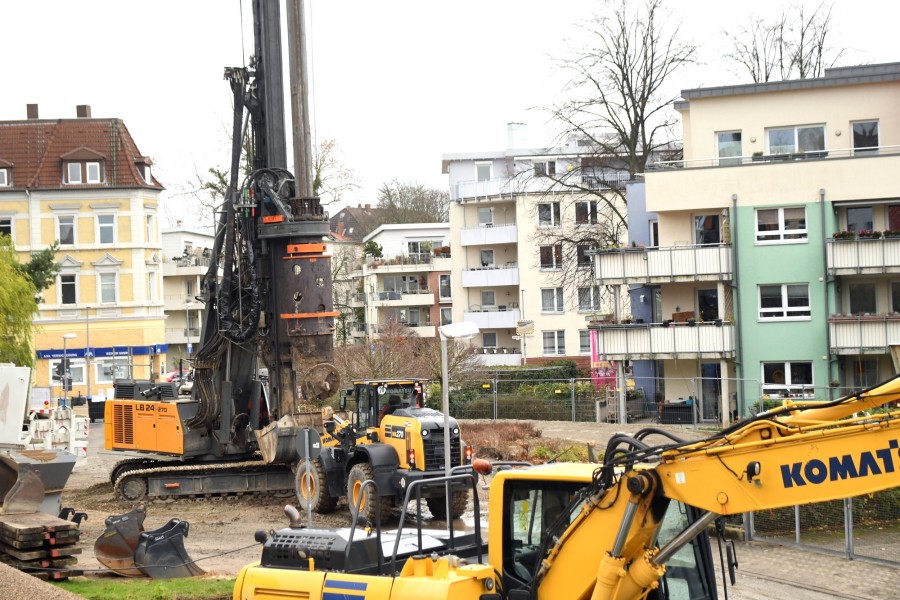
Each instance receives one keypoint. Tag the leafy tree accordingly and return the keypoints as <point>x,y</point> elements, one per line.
<point>18,306</point>
<point>42,268</point>
<point>412,203</point>
<point>373,249</point>
<point>793,45</point>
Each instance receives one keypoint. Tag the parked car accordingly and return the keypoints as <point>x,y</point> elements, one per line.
<point>175,375</point>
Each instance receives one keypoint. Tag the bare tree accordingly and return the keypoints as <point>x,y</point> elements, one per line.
<point>396,353</point>
<point>345,258</point>
<point>332,178</point>
<point>616,117</point>
<point>793,45</point>
<point>412,203</point>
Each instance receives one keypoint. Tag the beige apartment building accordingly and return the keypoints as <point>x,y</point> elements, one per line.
<point>84,182</point>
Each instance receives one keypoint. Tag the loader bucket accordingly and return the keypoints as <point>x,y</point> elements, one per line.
<point>115,548</point>
<point>161,554</point>
<point>33,480</point>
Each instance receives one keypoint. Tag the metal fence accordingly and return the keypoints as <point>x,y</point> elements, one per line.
<point>861,528</point>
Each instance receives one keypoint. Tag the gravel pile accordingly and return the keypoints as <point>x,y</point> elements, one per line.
<point>17,585</point>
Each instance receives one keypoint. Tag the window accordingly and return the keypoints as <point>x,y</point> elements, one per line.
<point>791,140</point>
<point>786,378</point>
<point>589,298</point>
<point>149,227</point>
<point>444,292</point>
<point>446,316</point>
<point>4,178</point>
<point>68,289</point>
<point>544,168</point>
<point>552,300</point>
<point>586,213</point>
<point>108,288</point>
<point>865,373</point>
<point>106,229</point>
<point>485,216</point>
<point>582,256</point>
<point>654,234</point>
<point>65,233</point>
<point>862,298</point>
<point>708,304</point>
<point>584,341</point>
<point>865,137</point>
<point>860,219</point>
<point>893,216</point>
<point>487,258</point>
<point>895,296</point>
<point>788,301</point>
<point>781,224</point>
<point>548,214</point>
<point>554,343</point>
<point>551,256</point>
<point>488,298</point>
<point>93,172</point>
<point>146,172</point>
<point>489,339</point>
<point>6,226</point>
<point>73,172</point>
<point>189,288</point>
<point>76,370</point>
<point>151,287</point>
<point>706,229</point>
<point>483,171</point>
<point>729,148</point>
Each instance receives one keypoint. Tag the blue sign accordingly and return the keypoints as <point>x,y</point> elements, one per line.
<point>111,352</point>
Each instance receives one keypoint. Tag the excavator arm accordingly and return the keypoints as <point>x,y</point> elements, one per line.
<point>796,454</point>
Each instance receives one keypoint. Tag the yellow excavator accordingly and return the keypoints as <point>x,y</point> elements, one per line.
<point>632,528</point>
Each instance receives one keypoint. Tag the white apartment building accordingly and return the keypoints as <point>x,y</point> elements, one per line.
<point>186,258</point>
<point>507,270</point>
<point>409,284</point>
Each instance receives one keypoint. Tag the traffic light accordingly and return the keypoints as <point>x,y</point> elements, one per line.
<point>60,373</point>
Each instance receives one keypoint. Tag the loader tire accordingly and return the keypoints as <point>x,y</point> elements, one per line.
<point>368,507</point>
<point>459,500</point>
<point>319,499</point>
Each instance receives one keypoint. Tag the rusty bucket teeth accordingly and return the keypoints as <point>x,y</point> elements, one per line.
<point>115,548</point>
<point>161,553</point>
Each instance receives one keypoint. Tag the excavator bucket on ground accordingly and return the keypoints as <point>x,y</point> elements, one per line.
<point>115,548</point>
<point>33,480</point>
<point>161,554</point>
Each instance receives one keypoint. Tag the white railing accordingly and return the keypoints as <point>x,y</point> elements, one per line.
<point>498,319</point>
<point>734,161</point>
<point>660,341</point>
<point>857,256</point>
<point>489,234</point>
<point>864,334</point>
<point>708,263</point>
<point>491,275</point>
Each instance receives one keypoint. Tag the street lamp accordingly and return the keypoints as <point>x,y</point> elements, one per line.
<point>455,331</point>
<point>66,377</point>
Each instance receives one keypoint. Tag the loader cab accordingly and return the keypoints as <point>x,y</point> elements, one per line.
<point>377,398</point>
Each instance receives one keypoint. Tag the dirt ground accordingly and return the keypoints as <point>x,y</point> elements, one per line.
<point>221,529</point>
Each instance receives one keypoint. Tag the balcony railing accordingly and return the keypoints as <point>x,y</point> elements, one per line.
<point>861,256</point>
<point>416,258</point>
<point>662,265</point>
<point>756,159</point>
<point>505,318</point>
<point>191,261</point>
<point>666,340</point>
<point>494,233</point>
<point>491,275</point>
<point>506,187</point>
<point>864,334</point>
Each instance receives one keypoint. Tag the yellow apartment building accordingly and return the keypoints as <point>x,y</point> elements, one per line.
<point>84,183</point>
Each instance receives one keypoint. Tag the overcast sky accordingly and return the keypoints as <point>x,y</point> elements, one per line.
<point>397,83</point>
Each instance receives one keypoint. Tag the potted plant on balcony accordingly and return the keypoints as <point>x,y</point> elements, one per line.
<point>844,235</point>
<point>891,233</point>
<point>868,234</point>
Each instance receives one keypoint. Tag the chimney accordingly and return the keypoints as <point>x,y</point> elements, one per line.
<point>32,111</point>
<point>516,135</point>
<point>83,111</point>
<point>368,206</point>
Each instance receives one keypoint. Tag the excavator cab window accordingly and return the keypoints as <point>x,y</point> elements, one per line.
<point>533,506</point>
<point>689,573</point>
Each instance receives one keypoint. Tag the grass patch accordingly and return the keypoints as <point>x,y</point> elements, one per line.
<point>206,588</point>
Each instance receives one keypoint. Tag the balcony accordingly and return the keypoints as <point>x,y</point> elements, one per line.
<point>491,275</point>
<point>489,234</point>
<point>866,334</point>
<point>182,335</point>
<point>360,330</point>
<point>857,256</point>
<point>499,357</point>
<point>417,297</point>
<point>502,317</point>
<point>507,187</point>
<point>657,341</point>
<point>664,265</point>
<point>422,329</point>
